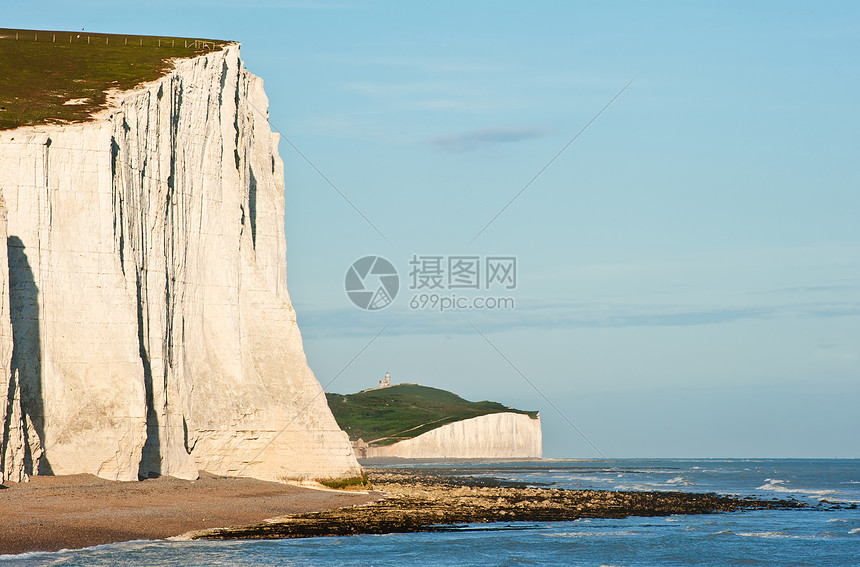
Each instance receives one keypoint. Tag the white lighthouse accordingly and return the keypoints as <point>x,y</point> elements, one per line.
<point>385,382</point>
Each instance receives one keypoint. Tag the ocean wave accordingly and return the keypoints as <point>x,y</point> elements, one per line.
<point>777,485</point>
<point>670,485</point>
<point>781,535</point>
<point>18,557</point>
<point>590,534</point>
<point>629,487</point>
<point>61,554</point>
<point>583,478</point>
<point>854,531</point>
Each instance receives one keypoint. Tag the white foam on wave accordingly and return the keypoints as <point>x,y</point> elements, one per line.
<point>776,485</point>
<point>670,485</point>
<point>59,555</point>
<point>16,557</point>
<point>778,535</point>
<point>585,478</point>
<point>591,534</point>
<point>631,487</point>
<point>854,531</point>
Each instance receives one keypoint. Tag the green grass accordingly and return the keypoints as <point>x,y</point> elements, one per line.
<point>353,483</point>
<point>40,70</point>
<point>388,415</point>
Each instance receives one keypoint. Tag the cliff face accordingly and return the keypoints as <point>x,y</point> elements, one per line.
<point>492,436</point>
<point>149,330</point>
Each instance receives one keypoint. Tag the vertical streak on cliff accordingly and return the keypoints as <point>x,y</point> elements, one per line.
<point>117,205</point>
<point>11,466</point>
<point>150,461</point>
<point>26,353</point>
<point>252,205</point>
<point>251,180</point>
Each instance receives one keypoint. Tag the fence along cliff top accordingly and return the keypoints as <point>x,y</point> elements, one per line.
<point>62,76</point>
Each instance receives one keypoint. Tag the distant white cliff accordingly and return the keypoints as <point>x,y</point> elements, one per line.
<point>505,435</point>
<point>145,324</point>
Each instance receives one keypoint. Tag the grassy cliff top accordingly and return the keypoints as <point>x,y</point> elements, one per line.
<point>386,415</point>
<point>41,70</point>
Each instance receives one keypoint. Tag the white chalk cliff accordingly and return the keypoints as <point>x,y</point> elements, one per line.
<point>504,435</point>
<point>145,324</point>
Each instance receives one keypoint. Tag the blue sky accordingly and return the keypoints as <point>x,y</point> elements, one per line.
<point>689,268</point>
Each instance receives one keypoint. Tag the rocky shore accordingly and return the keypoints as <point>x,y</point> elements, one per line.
<point>438,502</point>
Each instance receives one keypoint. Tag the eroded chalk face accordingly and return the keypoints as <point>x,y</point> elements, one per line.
<point>151,331</point>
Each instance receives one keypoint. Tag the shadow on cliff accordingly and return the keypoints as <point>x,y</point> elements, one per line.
<point>150,462</point>
<point>27,348</point>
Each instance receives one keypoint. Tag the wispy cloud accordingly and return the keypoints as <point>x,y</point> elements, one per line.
<point>454,105</point>
<point>560,315</point>
<point>429,64</point>
<point>434,96</point>
<point>276,5</point>
<point>486,138</point>
<point>813,289</point>
<point>406,89</point>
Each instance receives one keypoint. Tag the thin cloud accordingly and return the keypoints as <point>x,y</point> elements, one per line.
<point>452,65</point>
<point>319,323</point>
<point>274,5</point>
<point>407,89</point>
<point>812,289</point>
<point>486,138</point>
<point>452,105</point>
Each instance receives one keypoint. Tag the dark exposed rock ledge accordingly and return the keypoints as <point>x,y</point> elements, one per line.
<point>435,502</point>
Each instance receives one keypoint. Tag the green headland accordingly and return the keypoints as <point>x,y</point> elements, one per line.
<point>42,71</point>
<point>383,416</point>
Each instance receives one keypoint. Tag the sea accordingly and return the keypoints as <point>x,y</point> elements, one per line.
<point>825,533</point>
